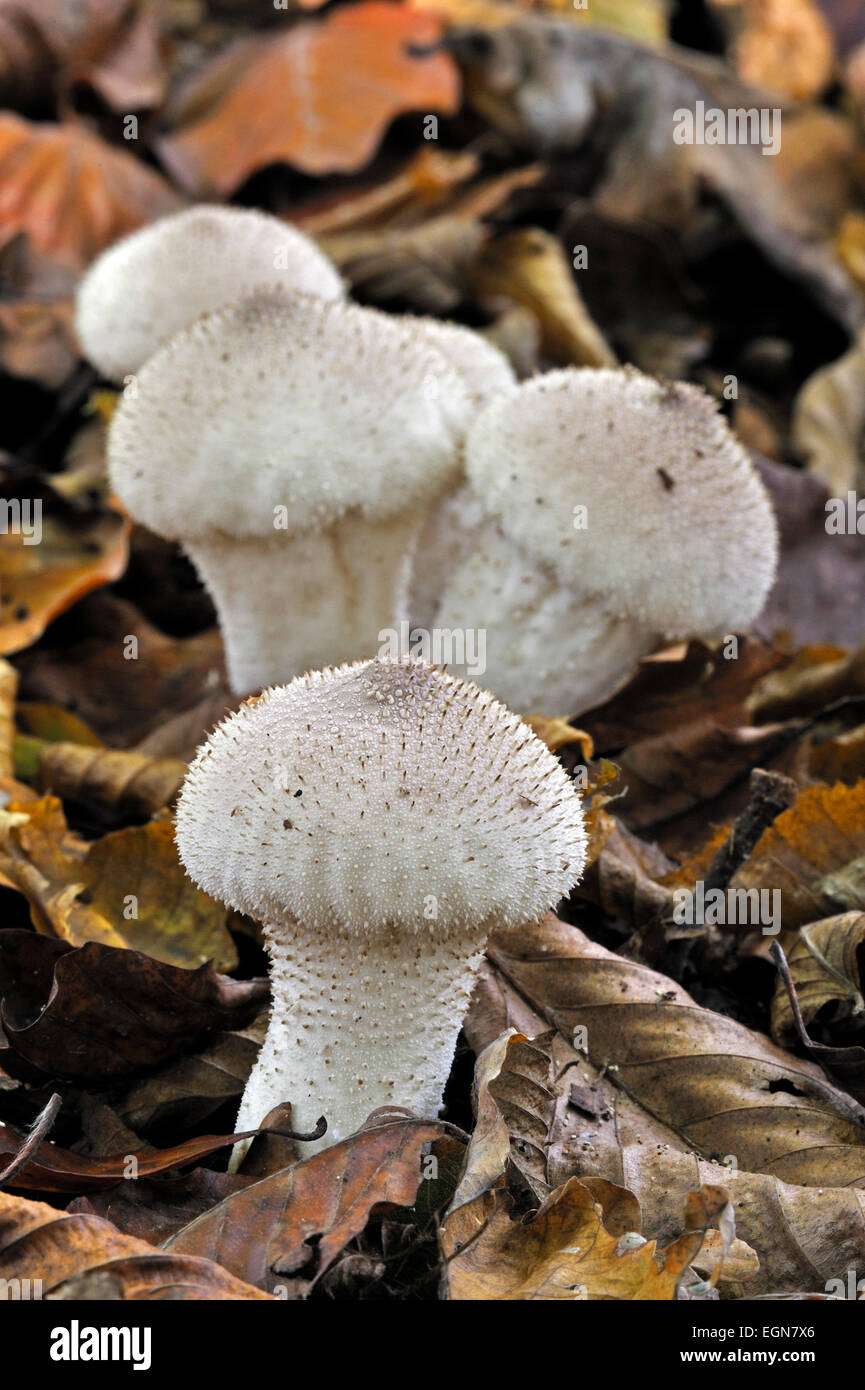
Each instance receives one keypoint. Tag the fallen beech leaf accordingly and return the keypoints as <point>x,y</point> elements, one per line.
<point>131,782</point>
<point>722,1087</point>
<point>529,268</point>
<point>126,889</point>
<point>37,582</point>
<point>84,1257</point>
<point>426,181</point>
<point>813,855</point>
<point>564,1252</point>
<point>828,427</point>
<point>557,733</point>
<point>59,1170</point>
<point>190,1088</point>
<point>816,597</point>
<point>291,1226</point>
<point>54,724</point>
<point>427,267</point>
<point>680,686</point>
<point>319,97</point>
<point>152,1209</point>
<point>489,1145</point>
<point>497,1008</point>
<point>816,677</point>
<point>802,1236</point>
<point>89,193</point>
<point>646,20</point>
<point>722,1263</point>
<point>824,964</point>
<point>840,759</point>
<point>92,1013</point>
<point>624,876</point>
<point>125,701</point>
<point>111,46</point>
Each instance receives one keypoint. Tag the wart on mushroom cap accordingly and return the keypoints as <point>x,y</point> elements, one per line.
<point>147,287</point>
<point>379,819</point>
<point>291,446</point>
<point>679,537</point>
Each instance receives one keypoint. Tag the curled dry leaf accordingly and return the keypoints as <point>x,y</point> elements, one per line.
<point>813,855</point>
<point>84,1257</point>
<point>289,1228</point>
<point>828,428</point>
<point>529,267</point>
<point>130,782</point>
<point>319,97</point>
<point>54,1169</point>
<point>722,1087</point>
<point>824,964</point>
<point>38,582</point>
<point>126,889</point>
<point>576,1122</point>
<point>787,47</point>
<point>92,1013</point>
<point>126,701</point>
<point>428,266</point>
<point>565,1252</point>
<point>89,193</point>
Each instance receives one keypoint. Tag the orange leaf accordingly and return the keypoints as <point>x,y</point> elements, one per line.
<point>319,97</point>
<point>37,582</point>
<point>71,192</point>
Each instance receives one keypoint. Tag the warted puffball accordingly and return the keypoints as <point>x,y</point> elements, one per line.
<point>161,278</point>
<point>292,448</point>
<point>610,513</point>
<point>379,820</point>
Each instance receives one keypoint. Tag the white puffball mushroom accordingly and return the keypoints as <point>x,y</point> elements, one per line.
<point>292,448</point>
<point>620,513</point>
<point>379,820</point>
<point>145,288</point>
<point>483,367</point>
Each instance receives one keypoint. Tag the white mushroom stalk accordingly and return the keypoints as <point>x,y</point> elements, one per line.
<point>379,820</point>
<point>608,513</point>
<point>161,278</point>
<point>292,447</point>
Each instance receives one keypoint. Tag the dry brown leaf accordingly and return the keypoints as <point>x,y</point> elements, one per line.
<point>828,428</point>
<point>427,267</point>
<point>130,782</point>
<point>723,1088</point>
<point>528,267</point>
<point>289,1228</point>
<point>319,97</point>
<point>127,889</point>
<point>89,193</point>
<point>490,1142</point>
<point>824,963</point>
<point>565,1252</point>
<point>813,854</point>
<point>558,733</point>
<point>38,582</point>
<point>84,1257</point>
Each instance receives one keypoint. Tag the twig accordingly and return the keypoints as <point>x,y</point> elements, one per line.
<point>34,1141</point>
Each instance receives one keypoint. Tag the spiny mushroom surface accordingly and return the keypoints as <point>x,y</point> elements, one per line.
<point>292,447</point>
<point>161,278</point>
<point>379,820</point>
<point>612,512</point>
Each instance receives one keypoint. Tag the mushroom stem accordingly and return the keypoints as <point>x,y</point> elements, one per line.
<point>546,646</point>
<point>359,1022</point>
<point>286,603</point>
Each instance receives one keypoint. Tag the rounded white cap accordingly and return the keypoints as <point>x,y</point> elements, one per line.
<point>316,408</point>
<point>380,796</point>
<point>145,288</point>
<point>680,532</point>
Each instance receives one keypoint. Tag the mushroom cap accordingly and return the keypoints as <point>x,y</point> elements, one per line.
<point>145,288</point>
<point>483,367</point>
<point>383,795</point>
<point>681,534</point>
<point>321,407</point>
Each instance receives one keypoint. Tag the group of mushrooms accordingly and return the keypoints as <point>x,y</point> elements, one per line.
<point>335,473</point>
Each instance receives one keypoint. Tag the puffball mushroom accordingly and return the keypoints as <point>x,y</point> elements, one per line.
<point>161,278</point>
<point>379,819</point>
<point>612,513</point>
<point>292,447</point>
